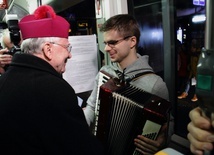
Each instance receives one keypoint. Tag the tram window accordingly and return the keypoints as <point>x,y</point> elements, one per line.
<point>149,15</point>
<point>190,31</point>
<point>151,39</point>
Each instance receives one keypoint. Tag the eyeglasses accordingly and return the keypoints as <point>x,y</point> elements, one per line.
<point>67,47</point>
<point>112,43</point>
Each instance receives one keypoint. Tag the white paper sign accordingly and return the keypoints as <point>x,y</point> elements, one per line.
<point>82,68</point>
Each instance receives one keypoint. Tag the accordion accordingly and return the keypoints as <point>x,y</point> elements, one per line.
<point>124,111</point>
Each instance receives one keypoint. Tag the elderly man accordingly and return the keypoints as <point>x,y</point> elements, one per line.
<point>39,112</point>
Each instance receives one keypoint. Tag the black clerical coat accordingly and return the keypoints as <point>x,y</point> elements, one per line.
<point>39,112</point>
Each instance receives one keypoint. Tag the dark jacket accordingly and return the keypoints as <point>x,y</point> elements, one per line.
<point>39,112</point>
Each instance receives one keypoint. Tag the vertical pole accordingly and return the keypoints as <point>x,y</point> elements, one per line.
<point>209,30</point>
<point>168,17</point>
<point>39,3</point>
<point>209,41</point>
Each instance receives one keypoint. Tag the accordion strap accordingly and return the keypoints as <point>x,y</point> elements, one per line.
<point>139,75</point>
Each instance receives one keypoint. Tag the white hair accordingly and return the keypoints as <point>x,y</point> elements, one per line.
<point>34,45</point>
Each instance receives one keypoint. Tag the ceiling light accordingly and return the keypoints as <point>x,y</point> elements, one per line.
<point>198,18</point>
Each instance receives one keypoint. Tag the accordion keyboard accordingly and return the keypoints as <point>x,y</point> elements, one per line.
<point>103,78</point>
<point>151,129</point>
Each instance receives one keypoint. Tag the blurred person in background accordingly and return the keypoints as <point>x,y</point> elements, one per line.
<point>195,52</point>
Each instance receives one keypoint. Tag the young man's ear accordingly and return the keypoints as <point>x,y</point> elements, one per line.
<point>133,41</point>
